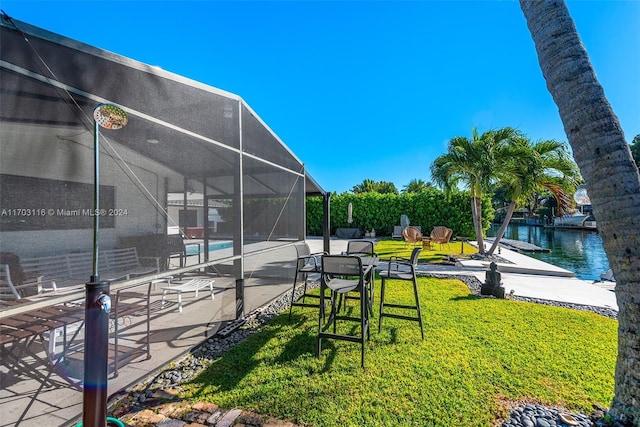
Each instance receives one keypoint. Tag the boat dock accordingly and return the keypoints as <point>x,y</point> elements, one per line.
<point>518,246</point>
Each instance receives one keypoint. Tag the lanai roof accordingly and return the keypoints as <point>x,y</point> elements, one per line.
<point>171,114</point>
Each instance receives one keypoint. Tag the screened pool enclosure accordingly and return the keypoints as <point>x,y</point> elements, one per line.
<point>195,185</point>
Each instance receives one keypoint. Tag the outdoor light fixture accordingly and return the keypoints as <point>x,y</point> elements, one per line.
<point>98,302</point>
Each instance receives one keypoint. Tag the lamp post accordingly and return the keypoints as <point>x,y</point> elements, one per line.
<point>98,302</point>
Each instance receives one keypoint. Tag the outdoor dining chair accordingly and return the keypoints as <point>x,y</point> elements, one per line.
<point>342,274</point>
<point>360,247</point>
<point>401,269</point>
<point>308,267</point>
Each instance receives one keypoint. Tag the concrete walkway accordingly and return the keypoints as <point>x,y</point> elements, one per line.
<point>526,277</point>
<point>532,278</point>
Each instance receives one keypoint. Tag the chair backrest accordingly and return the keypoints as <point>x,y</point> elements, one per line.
<point>304,259</point>
<point>14,263</point>
<point>441,234</point>
<point>360,247</point>
<point>414,256</point>
<point>341,265</point>
<point>7,290</point>
<point>449,234</point>
<point>412,234</point>
<point>174,244</point>
<point>303,249</point>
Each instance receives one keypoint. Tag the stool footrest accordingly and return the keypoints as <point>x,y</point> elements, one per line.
<point>400,316</point>
<point>413,307</point>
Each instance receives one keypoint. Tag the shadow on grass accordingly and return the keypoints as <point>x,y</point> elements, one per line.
<point>230,370</point>
<point>470,297</point>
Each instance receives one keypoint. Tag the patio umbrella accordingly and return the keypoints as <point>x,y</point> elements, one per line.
<point>350,213</point>
<point>404,221</point>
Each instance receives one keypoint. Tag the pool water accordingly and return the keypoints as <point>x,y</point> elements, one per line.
<point>196,248</point>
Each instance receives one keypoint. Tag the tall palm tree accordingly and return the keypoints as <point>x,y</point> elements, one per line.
<point>603,155</point>
<point>472,163</point>
<point>529,168</point>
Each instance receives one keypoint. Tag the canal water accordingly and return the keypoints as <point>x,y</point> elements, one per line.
<point>579,251</point>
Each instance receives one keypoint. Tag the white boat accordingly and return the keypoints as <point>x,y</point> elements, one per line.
<point>575,219</point>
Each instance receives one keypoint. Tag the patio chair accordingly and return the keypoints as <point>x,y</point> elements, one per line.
<point>412,235</point>
<point>308,267</point>
<point>441,235</point>
<point>401,269</point>
<point>360,247</point>
<point>7,290</point>
<point>193,285</point>
<point>397,232</point>
<point>342,274</point>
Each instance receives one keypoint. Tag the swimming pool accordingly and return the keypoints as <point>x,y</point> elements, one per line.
<point>196,248</point>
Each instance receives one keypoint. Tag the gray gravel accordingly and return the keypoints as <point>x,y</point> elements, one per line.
<point>540,416</point>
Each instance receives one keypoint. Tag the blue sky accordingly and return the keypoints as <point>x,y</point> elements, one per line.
<point>363,89</point>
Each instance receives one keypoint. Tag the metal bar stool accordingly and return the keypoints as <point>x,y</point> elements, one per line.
<point>401,269</point>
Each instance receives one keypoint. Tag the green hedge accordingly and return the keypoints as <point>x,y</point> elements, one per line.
<point>382,211</point>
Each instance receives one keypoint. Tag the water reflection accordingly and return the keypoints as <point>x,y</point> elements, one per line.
<point>575,250</point>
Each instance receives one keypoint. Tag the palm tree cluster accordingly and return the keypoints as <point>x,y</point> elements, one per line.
<point>504,158</point>
<point>370,186</point>
<point>417,186</point>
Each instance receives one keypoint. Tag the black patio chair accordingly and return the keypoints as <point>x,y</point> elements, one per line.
<point>360,247</point>
<point>401,269</point>
<point>308,267</point>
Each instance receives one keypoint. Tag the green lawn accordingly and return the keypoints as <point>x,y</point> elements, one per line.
<point>477,355</point>
<point>387,248</point>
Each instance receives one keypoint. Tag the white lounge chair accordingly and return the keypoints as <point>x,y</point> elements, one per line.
<point>193,285</point>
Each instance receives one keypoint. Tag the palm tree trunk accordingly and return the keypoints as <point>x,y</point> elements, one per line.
<point>476,208</point>
<point>605,161</point>
<point>474,216</point>
<point>503,227</point>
